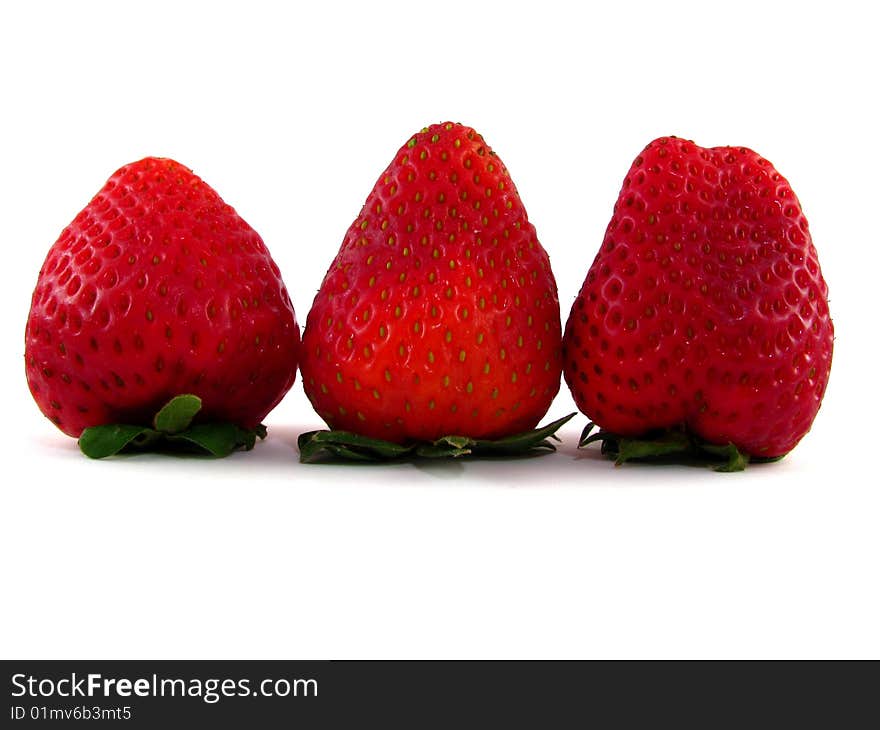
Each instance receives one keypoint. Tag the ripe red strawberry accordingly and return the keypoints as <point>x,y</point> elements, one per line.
<point>158,288</point>
<point>439,314</point>
<point>705,309</point>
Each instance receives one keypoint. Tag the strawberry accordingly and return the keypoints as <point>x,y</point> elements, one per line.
<point>439,315</point>
<point>159,289</point>
<point>704,315</point>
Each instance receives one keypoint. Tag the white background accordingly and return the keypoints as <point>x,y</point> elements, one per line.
<point>291,113</point>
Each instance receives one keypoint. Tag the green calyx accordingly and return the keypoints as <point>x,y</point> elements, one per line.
<point>347,446</point>
<point>172,430</point>
<point>676,445</point>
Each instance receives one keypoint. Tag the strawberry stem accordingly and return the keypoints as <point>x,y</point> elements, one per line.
<point>347,446</point>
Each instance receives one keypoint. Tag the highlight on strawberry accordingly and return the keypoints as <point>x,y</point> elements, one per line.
<point>160,320</point>
<point>436,330</point>
<point>702,328</point>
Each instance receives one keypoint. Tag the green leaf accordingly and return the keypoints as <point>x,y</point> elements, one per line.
<point>349,446</point>
<point>446,446</point>
<point>676,444</point>
<point>585,435</point>
<point>172,430</point>
<point>766,459</point>
<point>98,442</point>
<point>524,442</point>
<point>670,442</point>
<point>733,458</point>
<point>177,414</point>
<point>218,439</point>
<point>344,453</point>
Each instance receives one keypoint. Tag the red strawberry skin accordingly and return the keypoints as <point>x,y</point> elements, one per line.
<point>439,315</point>
<point>158,288</point>
<point>705,306</point>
